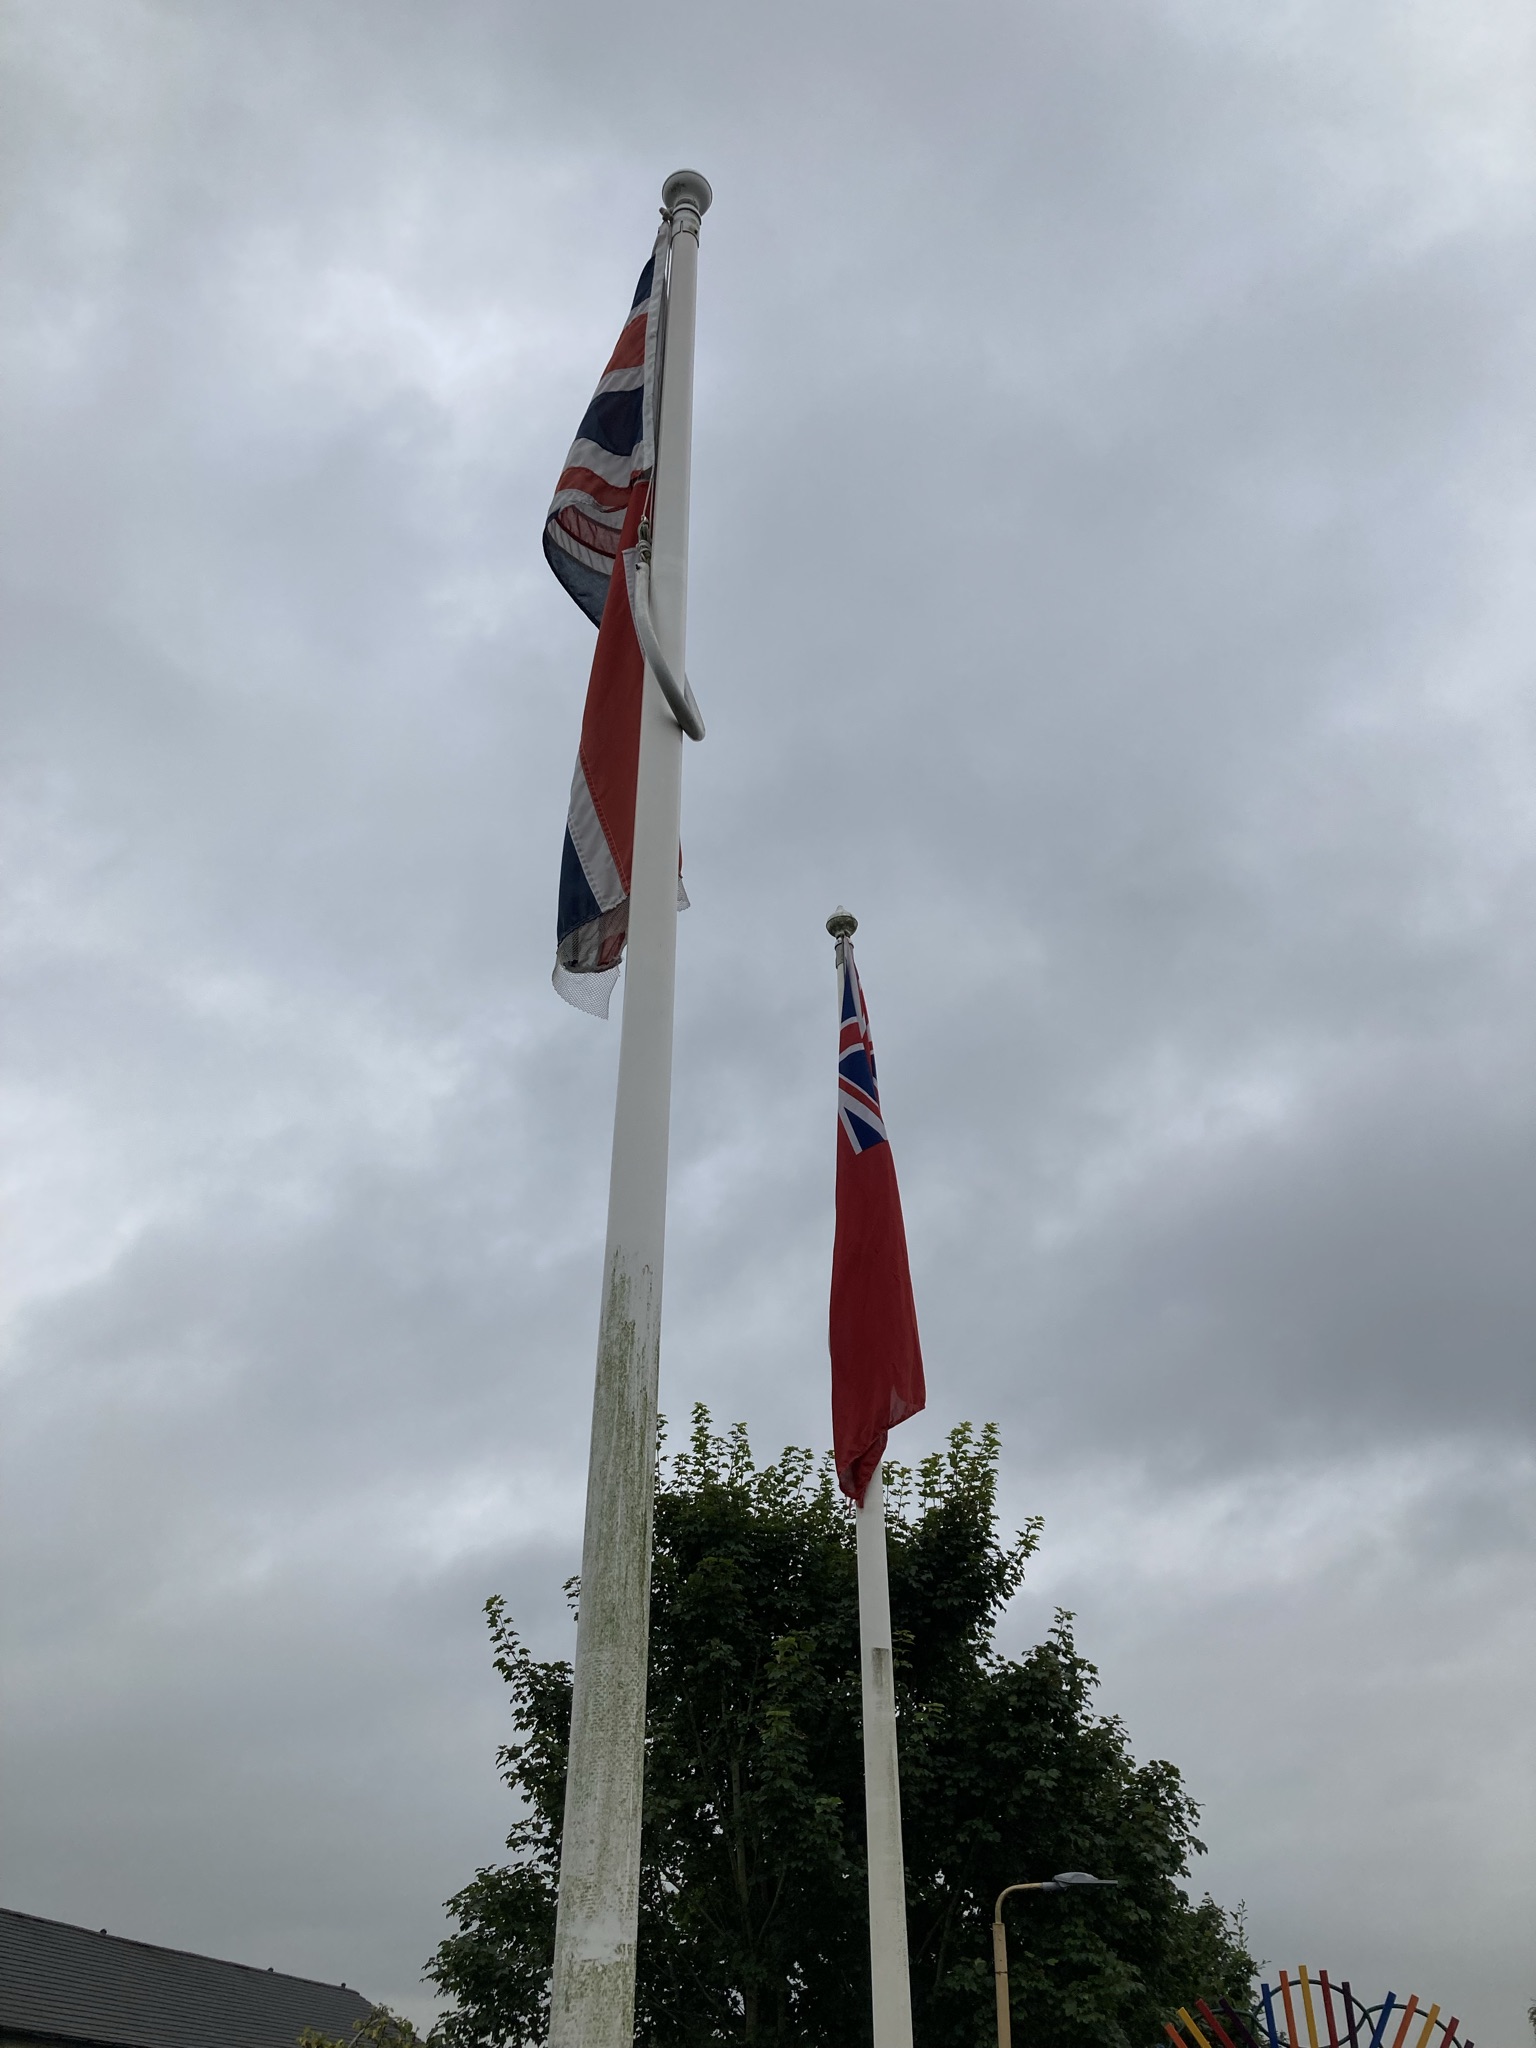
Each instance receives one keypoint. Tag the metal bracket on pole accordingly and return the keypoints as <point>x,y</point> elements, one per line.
<point>680,698</point>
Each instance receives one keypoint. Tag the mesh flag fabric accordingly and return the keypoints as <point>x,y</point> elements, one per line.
<point>590,533</point>
<point>877,1362</point>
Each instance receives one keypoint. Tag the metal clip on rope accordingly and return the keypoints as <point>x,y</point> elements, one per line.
<point>680,698</point>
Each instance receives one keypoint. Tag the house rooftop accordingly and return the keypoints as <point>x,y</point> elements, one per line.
<point>63,1984</point>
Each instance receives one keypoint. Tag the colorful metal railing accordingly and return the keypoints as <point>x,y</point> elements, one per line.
<point>1346,2021</point>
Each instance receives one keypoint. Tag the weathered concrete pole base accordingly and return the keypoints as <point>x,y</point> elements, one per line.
<point>593,1993</point>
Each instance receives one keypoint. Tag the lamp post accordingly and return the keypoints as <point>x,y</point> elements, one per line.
<point>1063,1881</point>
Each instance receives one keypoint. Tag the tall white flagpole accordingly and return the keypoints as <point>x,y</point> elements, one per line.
<point>890,1984</point>
<point>592,1994</point>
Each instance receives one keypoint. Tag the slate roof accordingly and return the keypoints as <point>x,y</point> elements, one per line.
<point>60,1983</point>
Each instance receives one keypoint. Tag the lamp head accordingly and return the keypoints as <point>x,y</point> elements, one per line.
<point>1070,1880</point>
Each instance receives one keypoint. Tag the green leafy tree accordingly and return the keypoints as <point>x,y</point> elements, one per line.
<point>753,1922</point>
<point>381,2029</point>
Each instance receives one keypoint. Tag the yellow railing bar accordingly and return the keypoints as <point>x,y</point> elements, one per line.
<point>1200,2040</point>
<point>1306,1999</point>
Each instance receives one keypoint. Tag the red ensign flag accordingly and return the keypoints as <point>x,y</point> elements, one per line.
<point>877,1363</point>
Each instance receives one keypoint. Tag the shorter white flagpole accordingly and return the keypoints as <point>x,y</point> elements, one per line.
<point>890,1983</point>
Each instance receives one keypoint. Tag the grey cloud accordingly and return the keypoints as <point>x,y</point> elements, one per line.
<point>1112,481</point>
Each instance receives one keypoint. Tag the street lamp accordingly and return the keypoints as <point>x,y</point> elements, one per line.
<point>1063,1881</point>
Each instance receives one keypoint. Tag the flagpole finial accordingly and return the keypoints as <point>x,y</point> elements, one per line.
<point>687,192</point>
<point>842,924</point>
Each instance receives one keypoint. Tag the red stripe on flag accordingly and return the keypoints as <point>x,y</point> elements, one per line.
<point>610,723</point>
<point>602,540</point>
<point>629,353</point>
<point>612,496</point>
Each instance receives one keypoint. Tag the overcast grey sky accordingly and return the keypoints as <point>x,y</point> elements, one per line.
<point>1114,511</point>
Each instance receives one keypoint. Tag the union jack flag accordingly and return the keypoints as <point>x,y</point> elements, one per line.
<point>614,448</point>
<point>858,1092</point>
<point>877,1361</point>
<point>590,533</point>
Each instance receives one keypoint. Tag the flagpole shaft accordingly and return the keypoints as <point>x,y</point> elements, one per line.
<point>889,1979</point>
<point>592,1993</point>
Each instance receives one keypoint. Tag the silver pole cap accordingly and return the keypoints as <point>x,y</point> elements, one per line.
<point>687,188</point>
